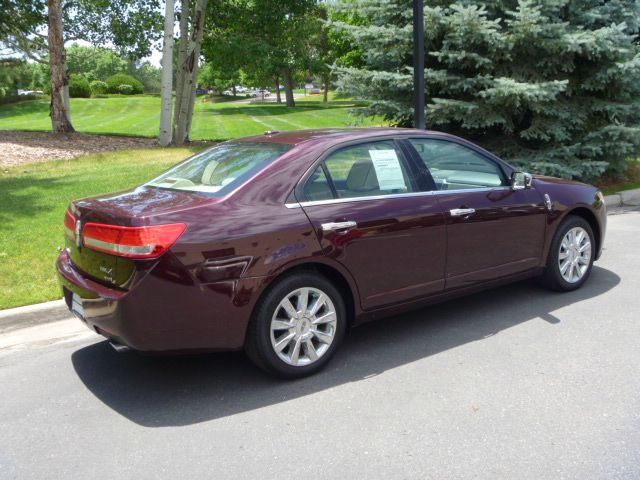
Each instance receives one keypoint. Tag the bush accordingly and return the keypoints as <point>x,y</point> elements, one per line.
<point>125,89</point>
<point>2,93</point>
<point>79,87</point>
<point>114,82</point>
<point>98,87</point>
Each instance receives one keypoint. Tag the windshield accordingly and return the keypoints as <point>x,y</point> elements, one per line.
<point>220,169</point>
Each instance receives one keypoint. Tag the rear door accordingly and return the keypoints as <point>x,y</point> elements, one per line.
<point>371,214</point>
<point>493,230</point>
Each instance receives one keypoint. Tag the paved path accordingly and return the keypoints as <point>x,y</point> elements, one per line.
<point>516,383</point>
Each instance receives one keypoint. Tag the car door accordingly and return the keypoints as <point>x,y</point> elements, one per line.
<point>492,230</point>
<point>370,214</point>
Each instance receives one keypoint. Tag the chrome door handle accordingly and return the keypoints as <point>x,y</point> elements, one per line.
<point>461,212</point>
<point>334,226</point>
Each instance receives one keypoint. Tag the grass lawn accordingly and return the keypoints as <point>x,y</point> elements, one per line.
<point>139,115</point>
<point>33,200</point>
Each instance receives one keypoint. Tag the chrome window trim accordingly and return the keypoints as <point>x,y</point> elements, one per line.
<point>332,201</point>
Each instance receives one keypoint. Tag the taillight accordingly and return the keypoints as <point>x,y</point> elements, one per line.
<point>70,226</point>
<point>131,242</point>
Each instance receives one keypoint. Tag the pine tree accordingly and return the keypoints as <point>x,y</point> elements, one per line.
<point>550,85</point>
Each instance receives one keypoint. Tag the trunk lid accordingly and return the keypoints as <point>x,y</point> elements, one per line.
<point>144,206</point>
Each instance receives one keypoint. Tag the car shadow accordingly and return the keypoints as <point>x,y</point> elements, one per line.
<point>183,390</point>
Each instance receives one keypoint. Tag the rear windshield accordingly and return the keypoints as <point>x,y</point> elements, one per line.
<point>220,169</point>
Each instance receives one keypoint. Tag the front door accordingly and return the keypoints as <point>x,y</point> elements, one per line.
<point>370,215</point>
<point>492,230</point>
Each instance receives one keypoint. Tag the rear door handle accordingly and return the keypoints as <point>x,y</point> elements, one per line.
<point>338,226</point>
<point>461,212</point>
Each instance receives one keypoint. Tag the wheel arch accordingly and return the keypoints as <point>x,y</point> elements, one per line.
<point>342,280</point>
<point>588,216</point>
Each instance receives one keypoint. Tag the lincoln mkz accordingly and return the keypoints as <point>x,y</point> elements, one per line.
<point>278,244</point>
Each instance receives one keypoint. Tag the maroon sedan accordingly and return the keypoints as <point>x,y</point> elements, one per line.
<point>276,244</point>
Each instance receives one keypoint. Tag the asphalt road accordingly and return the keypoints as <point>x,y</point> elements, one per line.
<point>514,383</point>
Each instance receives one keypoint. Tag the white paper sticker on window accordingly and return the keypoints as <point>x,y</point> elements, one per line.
<point>388,169</point>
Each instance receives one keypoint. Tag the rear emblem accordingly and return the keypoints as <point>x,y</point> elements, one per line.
<point>78,239</point>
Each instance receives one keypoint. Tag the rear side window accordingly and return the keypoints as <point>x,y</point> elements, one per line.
<point>363,170</point>
<point>317,186</point>
<point>456,167</point>
<point>220,169</point>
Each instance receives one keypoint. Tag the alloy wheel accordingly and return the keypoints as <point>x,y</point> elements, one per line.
<point>303,326</point>
<point>575,254</point>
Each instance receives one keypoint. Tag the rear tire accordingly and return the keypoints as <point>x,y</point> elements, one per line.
<point>297,326</point>
<point>570,256</point>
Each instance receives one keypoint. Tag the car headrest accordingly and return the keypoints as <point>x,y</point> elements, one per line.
<point>362,177</point>
<point>208,172</point>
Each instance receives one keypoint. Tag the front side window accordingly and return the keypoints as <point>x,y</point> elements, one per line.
<point>455,167</point>
<point>368,169</point>
<point>221,169</point>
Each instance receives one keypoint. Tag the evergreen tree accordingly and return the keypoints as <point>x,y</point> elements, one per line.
<point>551,85</point>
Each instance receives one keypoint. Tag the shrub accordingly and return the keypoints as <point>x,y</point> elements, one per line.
<point>79,87</point>
<point>125,89</point>
<point>98,87</point>
<point>2,93</point>
<point>114,82</point>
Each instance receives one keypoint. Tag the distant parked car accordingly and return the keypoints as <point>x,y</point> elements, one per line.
<point>278,243</point>
<point>240,89</point>
<point>264,92</point>
<point>227,93</point>
<point>30,92</point>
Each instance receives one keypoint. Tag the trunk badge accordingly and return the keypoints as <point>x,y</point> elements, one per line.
<point>78,229</point>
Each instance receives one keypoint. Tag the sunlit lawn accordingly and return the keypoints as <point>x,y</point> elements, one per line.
<point>140,116</point>
<point>33,200</point>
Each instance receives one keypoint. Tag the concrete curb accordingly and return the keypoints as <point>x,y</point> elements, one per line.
<point>22,317</point>
<point>626,198</point>
<point>29,315</point>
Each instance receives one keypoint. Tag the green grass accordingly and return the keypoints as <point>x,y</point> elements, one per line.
<point>139,115</point>
<point>33,200</point>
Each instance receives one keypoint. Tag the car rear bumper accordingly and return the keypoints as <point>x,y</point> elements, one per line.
<point>163,312</point>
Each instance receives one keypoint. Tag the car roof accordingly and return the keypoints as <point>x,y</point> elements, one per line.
<point>331,135</point>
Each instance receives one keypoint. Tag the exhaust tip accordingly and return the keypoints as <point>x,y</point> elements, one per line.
<point>118,347</point>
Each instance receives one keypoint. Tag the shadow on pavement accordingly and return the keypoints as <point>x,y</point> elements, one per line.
<point>170,391</point>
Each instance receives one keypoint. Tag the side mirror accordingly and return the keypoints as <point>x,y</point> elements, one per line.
<point>521,180</point>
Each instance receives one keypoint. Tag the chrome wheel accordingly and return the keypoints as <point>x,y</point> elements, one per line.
<point>303,326</point>
<point>575,254</point>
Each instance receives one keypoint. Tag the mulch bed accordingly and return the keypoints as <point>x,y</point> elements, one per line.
<point>20,148</point>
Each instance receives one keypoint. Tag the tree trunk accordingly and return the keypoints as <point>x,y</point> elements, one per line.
<point>60,106</point>
<point>278,96</point>
<point>187,104</point>
<point>325,97</point>
<point>167,75</point>
<point>288,86</point>
<point>183,46</point>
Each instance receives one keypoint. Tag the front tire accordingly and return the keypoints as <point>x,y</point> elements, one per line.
<point>297,326</point>
<point>570,256</point>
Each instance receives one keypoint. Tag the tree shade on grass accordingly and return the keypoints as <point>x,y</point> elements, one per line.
<point>33,200</point>
<point>140,116</point>
<point>553,86</point>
